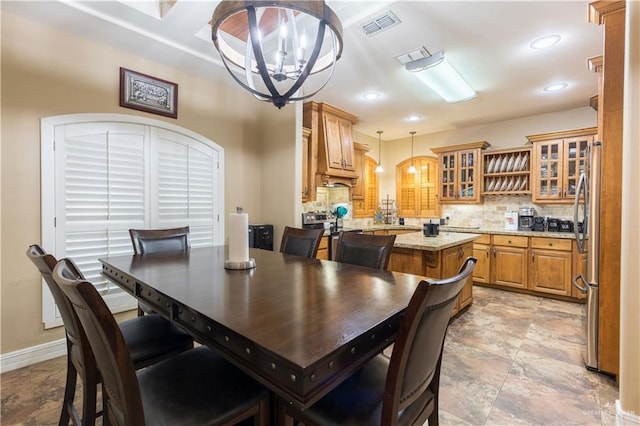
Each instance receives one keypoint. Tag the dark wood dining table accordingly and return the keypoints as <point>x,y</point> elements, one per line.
<point>300,326</point>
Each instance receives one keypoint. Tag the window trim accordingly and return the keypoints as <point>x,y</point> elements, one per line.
<point>119,302</point>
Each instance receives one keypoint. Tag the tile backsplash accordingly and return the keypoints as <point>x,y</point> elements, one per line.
<point>490,214</point>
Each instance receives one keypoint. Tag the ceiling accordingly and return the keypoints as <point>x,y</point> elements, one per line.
<point>487,42</point>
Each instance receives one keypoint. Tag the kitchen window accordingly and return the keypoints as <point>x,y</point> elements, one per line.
<point>103,174</point>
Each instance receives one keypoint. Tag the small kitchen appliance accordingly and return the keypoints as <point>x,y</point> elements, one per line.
<point>261,236</point>
<point>525,218</point>
<point>553,224</point>
<point>430,229</point>
<point>538,223</point>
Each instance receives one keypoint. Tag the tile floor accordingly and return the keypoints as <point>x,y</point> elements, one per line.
<point>510,359</point>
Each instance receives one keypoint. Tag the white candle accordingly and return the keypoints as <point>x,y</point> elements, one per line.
<point>238,237</point>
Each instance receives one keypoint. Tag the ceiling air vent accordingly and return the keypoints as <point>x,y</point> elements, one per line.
<point>380,23</point>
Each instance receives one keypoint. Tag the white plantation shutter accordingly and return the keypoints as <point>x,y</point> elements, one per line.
<point>186,173</point>
<point>109,176</point>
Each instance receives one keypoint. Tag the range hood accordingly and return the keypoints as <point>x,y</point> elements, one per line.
<point>323,179</point>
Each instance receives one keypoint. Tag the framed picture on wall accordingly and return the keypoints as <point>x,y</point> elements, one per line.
<point>150,94</point>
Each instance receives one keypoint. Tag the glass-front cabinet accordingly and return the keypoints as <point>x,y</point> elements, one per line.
<point>459,173</point>
<point>558,161</point>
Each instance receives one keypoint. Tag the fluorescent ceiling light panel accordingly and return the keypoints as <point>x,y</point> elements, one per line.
<point>436,72</point>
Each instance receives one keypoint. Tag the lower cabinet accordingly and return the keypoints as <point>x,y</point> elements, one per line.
<point>482,252</point>
<point>551,266</point>
<point>323,249</point>
<point>510,261</point>
<point>435,264</point>
<point>539,265</point>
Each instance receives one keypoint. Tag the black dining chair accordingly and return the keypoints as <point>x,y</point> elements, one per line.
<point>147,241</point>
<point>301,242</point>
<point>403,389</point>
<point>195,387</point>
<point>373,251</point>
<point>149,339</point>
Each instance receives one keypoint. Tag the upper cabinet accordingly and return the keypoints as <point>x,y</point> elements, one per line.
<point>358,190</point>
<point>459,172</point>
<point>416,192</point>
<point>558,160</point>
<point>366,205</point>
<point>331,134</point>
<point>507,171</point>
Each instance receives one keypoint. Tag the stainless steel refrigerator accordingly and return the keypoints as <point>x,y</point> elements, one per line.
<point>587,205</point>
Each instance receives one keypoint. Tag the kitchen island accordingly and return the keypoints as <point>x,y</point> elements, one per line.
<point>435,257</point>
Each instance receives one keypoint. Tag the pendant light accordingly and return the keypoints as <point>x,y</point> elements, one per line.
<point>379,168</point>
<point>271,48</point>
<point>412,168</point>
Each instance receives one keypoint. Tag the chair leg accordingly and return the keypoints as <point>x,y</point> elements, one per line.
<point>69,392</point>
<point>89,398</point>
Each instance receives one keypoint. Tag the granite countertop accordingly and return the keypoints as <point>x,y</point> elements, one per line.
<point>417,241</point>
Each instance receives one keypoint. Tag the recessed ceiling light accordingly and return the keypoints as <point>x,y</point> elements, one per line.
<point>371,96</point>
<point>544,42</point>
<point>555,87</point>
<point>414,117</point>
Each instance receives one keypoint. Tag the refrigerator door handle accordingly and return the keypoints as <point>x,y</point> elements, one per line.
<point>576,205</point>
<point>580,277</point>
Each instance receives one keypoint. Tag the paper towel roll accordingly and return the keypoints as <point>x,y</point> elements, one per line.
<point>238,237</point>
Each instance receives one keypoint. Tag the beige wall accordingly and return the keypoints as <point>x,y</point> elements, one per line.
<point>46,72</point>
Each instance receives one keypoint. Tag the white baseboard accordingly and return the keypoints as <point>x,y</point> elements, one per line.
<point>34,354</point>
<point>625,418</point>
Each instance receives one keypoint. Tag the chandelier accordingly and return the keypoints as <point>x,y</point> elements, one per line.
<point>271,48</point>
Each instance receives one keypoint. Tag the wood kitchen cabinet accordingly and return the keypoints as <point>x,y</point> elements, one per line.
<point>482,252</point>
<point>543,266</point>
<point>367,206</point>
<point>510,261</point>
<point>460,173</point>
<point>416,192</point>
<point>358,190</point>
<point>435,264</point>
<point>331,136</point>
<point>558,160</point>
<point>452,259</point>
<point>323,248</point>
<point>551,266</point>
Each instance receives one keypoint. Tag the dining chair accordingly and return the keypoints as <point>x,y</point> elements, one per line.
<point>195,387</point>
<point>369,250</point>
<point>403,389</point>
<point>147,241</point>
<point>301,242</point>
<point>149,339</point>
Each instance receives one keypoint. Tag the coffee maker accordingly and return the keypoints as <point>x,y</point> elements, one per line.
<point>525,218</point>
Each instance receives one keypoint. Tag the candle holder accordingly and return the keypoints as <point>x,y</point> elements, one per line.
<point>240,264</point>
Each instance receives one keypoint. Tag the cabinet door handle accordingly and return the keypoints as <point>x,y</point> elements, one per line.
<point>487,252</point>
<point>533,257</point>
<point>494,252</point>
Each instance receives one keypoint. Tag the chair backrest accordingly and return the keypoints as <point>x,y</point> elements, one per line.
<point>159,240</point>
<point>414,368</point>
<point>302,242</point>
<point>45,263</point>
<point>373,251</point>
<point>122,403</point>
